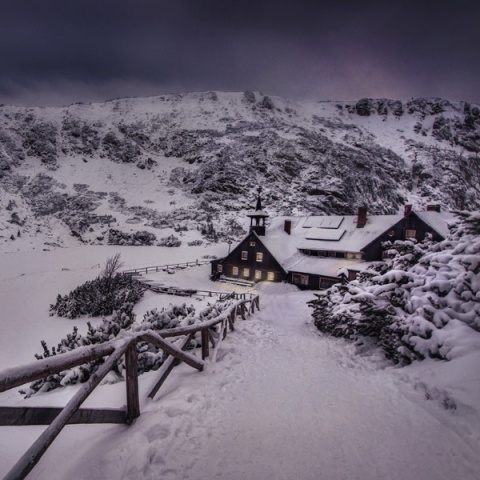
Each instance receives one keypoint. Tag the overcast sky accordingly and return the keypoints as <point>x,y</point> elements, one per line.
<point>56,52</point>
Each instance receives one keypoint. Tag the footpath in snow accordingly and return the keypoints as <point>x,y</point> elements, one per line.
<point>281,402</point>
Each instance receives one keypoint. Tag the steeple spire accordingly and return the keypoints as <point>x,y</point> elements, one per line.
<point>257,217</point>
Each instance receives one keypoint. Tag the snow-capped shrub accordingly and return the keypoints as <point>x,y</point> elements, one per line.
<point>98,297</point>
<point>419,303</point>
<point>170,241</point>
<point>140,238</point>
<point>122,322</point>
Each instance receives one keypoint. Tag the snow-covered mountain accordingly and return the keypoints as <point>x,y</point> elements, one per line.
<point>140,170</point>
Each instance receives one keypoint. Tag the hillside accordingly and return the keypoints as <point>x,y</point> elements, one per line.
<point>139,170</point>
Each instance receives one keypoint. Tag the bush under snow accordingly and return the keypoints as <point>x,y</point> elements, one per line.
<point>424,301</point>
<point>123,322</point>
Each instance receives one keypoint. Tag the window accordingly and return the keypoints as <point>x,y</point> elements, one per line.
<point>246,272</point>
<point>258,274</point>
<point>259,257</point>
<point>252,243</point>
<point>235,271</point>
<point>244,255</point>
<point>219,268</point>
<point>300,279</point>
<point>410,234</point>
<point>271,276</point>
<point>332,254</point>
<point>327,283</point>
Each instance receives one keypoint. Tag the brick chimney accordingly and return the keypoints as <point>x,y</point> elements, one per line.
<point>433,208</point>
<point>407,210</point>
<point>288,226</point>
<point>362,217</point>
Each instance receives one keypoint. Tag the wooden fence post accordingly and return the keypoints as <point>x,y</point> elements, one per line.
<point>133,402</point>
<point>231,320</point>
<point>225,328</point>
<point>205,344</point>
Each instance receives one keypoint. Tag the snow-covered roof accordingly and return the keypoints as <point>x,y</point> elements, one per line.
<point>307,234</point>
<point>439,221</point>
<point>257,213</point>
<point>329,267</point>
<point>333,233</point>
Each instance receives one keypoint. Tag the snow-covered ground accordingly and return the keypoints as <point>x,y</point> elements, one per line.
<point>281,401</point>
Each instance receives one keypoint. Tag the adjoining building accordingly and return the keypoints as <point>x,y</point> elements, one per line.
<point>315,252</point>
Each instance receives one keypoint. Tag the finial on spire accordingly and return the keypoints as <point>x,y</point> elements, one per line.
<point>259,199</point>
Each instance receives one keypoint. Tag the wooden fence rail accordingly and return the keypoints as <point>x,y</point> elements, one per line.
<point>159,268</point>
<point>212,332</point>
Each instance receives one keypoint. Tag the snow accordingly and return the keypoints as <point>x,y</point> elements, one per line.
<point>281,401</point>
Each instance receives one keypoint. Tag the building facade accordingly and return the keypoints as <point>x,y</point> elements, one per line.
<point>315,252</point>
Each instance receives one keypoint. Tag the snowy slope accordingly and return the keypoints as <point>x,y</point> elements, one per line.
<point>173,164</point>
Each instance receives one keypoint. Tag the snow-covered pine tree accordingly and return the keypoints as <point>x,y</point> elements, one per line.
<point>406,303</point>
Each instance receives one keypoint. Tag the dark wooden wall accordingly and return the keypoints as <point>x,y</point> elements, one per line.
<point>234,259</point>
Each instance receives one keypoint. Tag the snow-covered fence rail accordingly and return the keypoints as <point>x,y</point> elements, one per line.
<point>212,332</point>
<point>160,268</point>
<point>189,292</point>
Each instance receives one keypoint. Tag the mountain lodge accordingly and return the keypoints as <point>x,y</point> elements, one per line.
<point>315,252</point>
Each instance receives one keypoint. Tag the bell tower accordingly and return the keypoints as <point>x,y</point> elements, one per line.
<point>258,216</point>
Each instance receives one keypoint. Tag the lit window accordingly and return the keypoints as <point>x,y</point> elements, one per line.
<point>244,255</point>
<point>252,243</point>
<point>271,276</point>
<point>410,233</point>
<point>299,279</point>
<point>219,268</point>
<point>235,271</point>
<point>258,274</point>
<point>246,272</point>
<point>259,257</point>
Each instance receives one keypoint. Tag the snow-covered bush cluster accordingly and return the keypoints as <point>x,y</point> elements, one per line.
<point>424,301</point>
<point>122,323</point>
<point>98,297</point>
<point>170,241</point>
<point>116,237</point>
<point>109,292</point>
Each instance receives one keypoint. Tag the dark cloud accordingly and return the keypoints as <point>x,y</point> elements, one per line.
<point>60,51</point>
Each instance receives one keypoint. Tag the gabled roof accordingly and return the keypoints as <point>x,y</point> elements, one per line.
<point>305,234</point>
<point>439,221</point>
<point>334,234</point>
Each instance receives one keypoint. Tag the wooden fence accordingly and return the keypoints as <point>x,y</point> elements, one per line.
<point>170,266</point>
<point>212,332</point>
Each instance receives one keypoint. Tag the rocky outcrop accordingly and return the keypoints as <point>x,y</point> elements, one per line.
<point>215,149</point>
